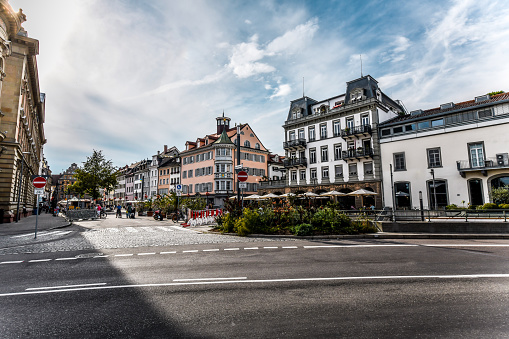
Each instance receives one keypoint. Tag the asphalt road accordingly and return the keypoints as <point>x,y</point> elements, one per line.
<point>239,287</point>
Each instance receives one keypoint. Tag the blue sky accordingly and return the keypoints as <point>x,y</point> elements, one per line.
<point>128,77</point>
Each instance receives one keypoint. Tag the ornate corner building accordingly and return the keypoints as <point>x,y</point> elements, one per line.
<point>22,111</point>
<point>333,144</point>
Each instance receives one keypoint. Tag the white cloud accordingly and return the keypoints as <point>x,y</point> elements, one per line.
<point>281,91</point>
<point>294,40</point>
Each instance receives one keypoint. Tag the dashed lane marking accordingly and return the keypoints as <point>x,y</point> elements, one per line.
<point>124,255</point>
<point>150,253</point>
<point>11,262</point>
<point>209,279</point>
<point>170,252</point>
<point>63,286</point>
<point>66,258</point>
<point>211,250</point>
<point>232,249</point>
<point>39,260</point>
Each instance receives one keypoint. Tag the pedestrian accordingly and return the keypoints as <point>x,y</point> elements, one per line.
<point>98,210</point>
<point>57,209</point>
<point>129,211</point>
<point>25,211</point>
<point>119,211</point>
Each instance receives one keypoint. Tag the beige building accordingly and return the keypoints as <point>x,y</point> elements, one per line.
<point>21,113</point>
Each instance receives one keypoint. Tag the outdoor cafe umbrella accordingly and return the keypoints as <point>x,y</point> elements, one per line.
<point>309,195</point>
<point>252,197</point>
<point>287,195</point>
<point>362,192</point>
<point>269,196</point>
<point>332,194</point>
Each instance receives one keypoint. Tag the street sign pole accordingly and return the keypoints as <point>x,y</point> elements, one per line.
<point>39,183</point>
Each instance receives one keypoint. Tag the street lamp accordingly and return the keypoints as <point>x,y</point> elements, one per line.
<point>421,205</point>
<point>19,186</point>
<point>432,171</point>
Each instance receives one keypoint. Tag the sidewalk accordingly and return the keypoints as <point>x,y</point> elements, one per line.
<point>45,221</point>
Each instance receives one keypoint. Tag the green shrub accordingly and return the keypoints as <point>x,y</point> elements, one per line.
<point>487,206</point>
<point>228,223</point>
<point>303,229</point>
<point>504,206</point>
<point>451,207</point>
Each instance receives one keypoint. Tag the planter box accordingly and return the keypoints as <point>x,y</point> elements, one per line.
<point>150,213</point>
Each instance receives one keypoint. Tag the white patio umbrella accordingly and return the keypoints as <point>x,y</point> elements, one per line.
<point>309,194</point>
<point>286,195</point>
<point>252,197</point>
<point>269,196</point>
<point>332,194</point>
<point>362,191</point>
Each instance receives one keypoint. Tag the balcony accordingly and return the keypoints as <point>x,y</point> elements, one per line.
<point>356,154</point>
<point>356,131</point>
<point>223,175</point>
<point>272,183</point>
<point>228,192</point>
<point>295,162</point>
<point>295,144</point>
<point>486,165</point>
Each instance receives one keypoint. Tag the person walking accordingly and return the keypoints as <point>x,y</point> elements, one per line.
<point>98,210</point>
<point>129,211</point>
<point>119,211</point>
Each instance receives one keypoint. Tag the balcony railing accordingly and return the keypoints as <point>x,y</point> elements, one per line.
<point>355,131</point>
<point>357,153</point>
<point>294,143</point>
<point>483,166</point>
<point>223,175</point>
<point>273,183</point>
<point>294,162</point>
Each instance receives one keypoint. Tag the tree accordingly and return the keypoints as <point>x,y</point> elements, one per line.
<point>500,195</point>
<point>96,173</point>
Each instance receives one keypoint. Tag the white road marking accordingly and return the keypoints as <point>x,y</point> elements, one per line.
<point>151,253</point>
<point>24,235</point>
<point>211,250</point>
<point>66,258</point>
<point>250,248</point>
<point>63,286</point>
<point>165,228</point>
<point>269,247</point>
<point>148,229</point>
<point>190,251</point>
<point>41,234</point>
<point>357,246</point>
<point>172,252</point>
<point>289,247</point>
<point>11,262</point>
<point>131,229</point>
<point>389,277</point>
<point>40,260</point>
<point>207,279</point>
<point>123,255</point>
<point>183,229</point>
<point>101,256</point>
<point>113,230</point>
<point>462,245</point>
<point>232,249</point>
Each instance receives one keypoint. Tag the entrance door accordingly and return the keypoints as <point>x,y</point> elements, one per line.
<point>475,191</point>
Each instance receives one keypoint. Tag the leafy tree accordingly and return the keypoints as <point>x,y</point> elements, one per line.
<point>495,93</point>
<point>500,195</point>
<point>96,173</point>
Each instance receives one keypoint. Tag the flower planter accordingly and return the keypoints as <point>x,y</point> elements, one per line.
<point>150,213</point>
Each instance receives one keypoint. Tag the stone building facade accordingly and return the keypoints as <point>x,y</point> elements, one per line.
<point>22,113</point>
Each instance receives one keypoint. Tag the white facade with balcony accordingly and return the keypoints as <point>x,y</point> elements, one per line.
<point>454,154</point>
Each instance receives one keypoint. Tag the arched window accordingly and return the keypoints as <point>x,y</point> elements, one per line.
<point>257,146</point>
<point>247,143</point>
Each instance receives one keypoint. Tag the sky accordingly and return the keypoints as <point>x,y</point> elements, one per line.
<point>130,76</point>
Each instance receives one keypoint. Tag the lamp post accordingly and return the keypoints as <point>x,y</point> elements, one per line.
<point>421,205</point>
<point>393,196</point>
<point>432,171</point>
<point>20,180</point>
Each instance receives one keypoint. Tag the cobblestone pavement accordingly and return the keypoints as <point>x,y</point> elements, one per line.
<point>114,233</point>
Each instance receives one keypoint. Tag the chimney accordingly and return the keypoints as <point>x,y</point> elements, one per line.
<point>165,149</point>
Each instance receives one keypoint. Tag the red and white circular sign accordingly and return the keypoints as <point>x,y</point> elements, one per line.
<point>39,182</point>
<point>242,176</point>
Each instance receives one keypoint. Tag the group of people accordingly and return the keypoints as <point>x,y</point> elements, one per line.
<point>130,211</point>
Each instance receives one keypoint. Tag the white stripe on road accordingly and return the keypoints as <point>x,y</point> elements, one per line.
<point>271,247</point>
<point>209,279</point>
<point>179,228</point>
<point>66,258</point>
<point>390,277</point>
<point>165,228</point>
<point>289,247</point>
<point>131,229</point>
<point>250,248</point>
<point>151,253</point>
<point>190,251</point>
<point>42,234</point>
<point>123,255</point>
<point>211,250</point>
<point>232,249</point>
<point>172,252</point>
<point>113,230</point>
<point>148,229</point>
<point>11,262</point>
<point>40,260</point>
<point>63,286</point>
<point>356,246</point>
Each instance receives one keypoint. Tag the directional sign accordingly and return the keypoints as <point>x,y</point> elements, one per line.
<point>39,182</point>
<point>239,167</point>
<point>242,176</point>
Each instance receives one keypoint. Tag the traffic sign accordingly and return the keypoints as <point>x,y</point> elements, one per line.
<point>242,176</point>
<point>239,167</point>
<point>179,187</point>
<point>242,184</point>
<point>39,191</point>
<point>179,193</point>
<point>39,182</point>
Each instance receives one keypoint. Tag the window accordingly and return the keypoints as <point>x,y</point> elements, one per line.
<point>476,152</point>
<point>190,174</point>
<point>293,175</point>
<point>311,133</point>
<point>352,169</point>
<point>438,189</point>
<point>386,131</point>
<point>399,162</point>
<point>303,175</point>
<point>247,143</point>
<point>368,168</point>
<point>410,127</point>
<point>325,153</point>
<point>312,173</point>
<point>323,131</point>
<point>397,129</point>
<point>485,113</point>
<point>325,172</point>
<point>338,171</point>
<point>184,174</point>
<point>291,135</point>
<point>312,155</point>
<point>301,134</point>
<point>191,188</point>
<point>337,152</point>
<point>402,195</point>
<point>365,120</point>
<point>434,157</point>
<point>257,146</point>
<point>437,122</point>
<point>336,126</point>
<point>349,123</point>
<point>423,125</point>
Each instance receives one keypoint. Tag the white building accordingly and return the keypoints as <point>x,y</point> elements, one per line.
<point>455,153</point>
<point>333,144</point>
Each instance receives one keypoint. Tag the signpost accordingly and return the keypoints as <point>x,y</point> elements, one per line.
<point>242,176</point>
<point>39,183</point>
